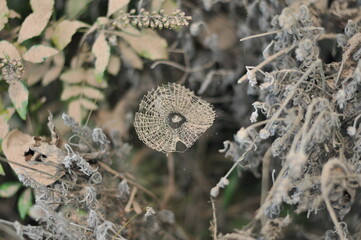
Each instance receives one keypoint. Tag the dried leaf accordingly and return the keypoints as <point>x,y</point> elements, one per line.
<point>58,61</point>
<point>157,5</point>
<point>137,208</point>
<point>35,23</point>
<point>14,14</point>
<point>55,136</point>
<point>38,53</point>
<point>73,75</point>
<point>118,119</point>
<point>74,8</point>
<point>147,43</point>
<point>101,50</point>
<point>169,6</point>
<point>7,50</point>
<point>24,203</point>
<point>4,14</point>
<point>4,125</point>
<point>19,95</point>
<point>113,65</point>
<point>115,5</point>
<point>64,31</point>
<point>129,56</point>
<point>41,156</point>
<point>9,189</point>
<point>76,91</point>
<point>80,75</point>
<point>91,79</point>
<point>75,108</point>
<point>35,72</point>
<point>87,104</point>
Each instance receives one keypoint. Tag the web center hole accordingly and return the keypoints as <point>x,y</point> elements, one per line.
<point>176,120</point>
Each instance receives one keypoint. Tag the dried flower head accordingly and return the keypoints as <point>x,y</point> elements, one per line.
<point>171,118</point>
<point>152,19</point>
<point>12,70</point>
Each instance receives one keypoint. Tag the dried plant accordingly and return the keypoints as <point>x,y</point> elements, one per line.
<point>153,20</point>
<point>307,105</point>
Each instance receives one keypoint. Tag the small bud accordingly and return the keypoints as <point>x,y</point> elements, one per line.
<point>351,131</point>
<point>214,192</point>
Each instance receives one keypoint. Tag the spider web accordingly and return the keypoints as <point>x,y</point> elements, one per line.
<point>151,121</point>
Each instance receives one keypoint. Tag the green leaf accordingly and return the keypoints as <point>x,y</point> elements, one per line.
<point>75,8</point>
<point>9,189</point>
<point>25,202</point>
<point>2,172</point>
<point>19,95</point>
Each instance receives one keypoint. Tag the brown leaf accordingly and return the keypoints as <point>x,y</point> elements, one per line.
<point>114,65</point>
<point>169,6</point>
<point>101,50</point>
<point>64,32</point>
<point>91,79</point>
<point>14,14</point>
<point>35,72</point>
<point>87,104</point>
<point>75,107</point>
<point>73,75</point>
<point>74,110</point>
<point>55,136</point>
<point>80,75</point>
<point>129,56</point>
<point>77,91</point>
<point>22,149</point>
<point>4,14</point>
<point>7,50</point>
<point>58,64</point>
<point>35,23</point>
<point>118,119</point>
<point>223,28</point>
<point>38,53</point>
<point>147,43</point>
<point>115,5</point>
<point>157,5</point>
<point>4,127</point>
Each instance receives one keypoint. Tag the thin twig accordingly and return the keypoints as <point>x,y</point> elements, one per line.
<point>122,176</point>
<point>260,35</point>
<point>265,174</point>
<point>267,61</point>
<point>123,227</point>
<point>182,68</point>
<point>214,227</point>
<point>171,181</point>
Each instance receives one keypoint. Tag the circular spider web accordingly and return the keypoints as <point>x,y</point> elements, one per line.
<point>171,118</point>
